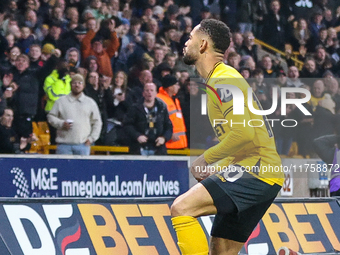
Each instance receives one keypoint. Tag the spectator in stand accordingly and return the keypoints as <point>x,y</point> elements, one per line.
<point>281,79</point>
<point>191,106</point>
<point>309,69</point>
<point>318,94</point>
<point>72,16</point>
<point>184,76</point>
<point>337,18</point>
<point>332,88</point>
<point>25,100</point>
<point>147,45</point>
<point>244,16</point>
<point>301,34</point>
<point>99,90</point>
<point>172,16</point>
<point>152,26</point>
<point>332,33</point>
<point>245,72</point>
<point>234,60</point>
<point>26,39</point>
<point>148,62</point>
<point>93,45</point>
<point>321,5</point>
<point>91,24</point>
<point>268,68</point>
<point>91,64</point>
<point>259,9</point>
<point>284,136</point>
<point>238,41</point>
<point>332,48</point>
<point>325,119</point>
<point>57,16</point>
<point>248,62</point>
<point>293,77</point>
<point>170,59</point>
<point>261,86</point>
<point>120,82</point>
<point>275,28</point>
<point>322,59</point>
<point>304,129</point>
<point>73,38</point>
<point>314,42</point>
<point>327,148</point>
<point>228,12</point>
<point>162,70</point>
<point>56,85</point>
<point>35,57</point>
<point>77,119</point>
<point>205,14</point>
<point>316,24</point>
<point>170,37</point>
<point>7,89</point>
<point>72,57</point>
<point>10,142</point>
<point>249,48</point>
<point>135,35</point>
<point>169,89</point>
<point>87,14</point>
<point>158,13</point>
<point>288,55</point>
<point>302,53</point>
<point>47,51</point>
<point>117,113</point>
<point>148,124</point>
<point>9,61</point>
<point>158,55</point>
<point>136,92</point>
<point>328,20</point>
<point>54,35</point>
<point>186,33</point>
<point>7,42</point>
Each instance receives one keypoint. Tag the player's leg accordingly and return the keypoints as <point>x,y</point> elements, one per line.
<point>222,246</point>
<point>195,202</point>
<point>232,229</point>
<point>185,209</point>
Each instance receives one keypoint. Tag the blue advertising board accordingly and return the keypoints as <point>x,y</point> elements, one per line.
<point>93,177</point>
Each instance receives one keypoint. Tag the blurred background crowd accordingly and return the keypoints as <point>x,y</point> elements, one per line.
<point>119,46</point>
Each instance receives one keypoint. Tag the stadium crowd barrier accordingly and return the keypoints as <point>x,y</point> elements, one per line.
<point>124,149</point>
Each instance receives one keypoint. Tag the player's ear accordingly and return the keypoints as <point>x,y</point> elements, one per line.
<point>203,46</point>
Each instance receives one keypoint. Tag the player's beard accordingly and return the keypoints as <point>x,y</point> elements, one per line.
<point>189,59</point>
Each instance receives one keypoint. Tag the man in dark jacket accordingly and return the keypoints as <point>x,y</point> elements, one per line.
<point>275,27</point>
<point>148,124</point>
<point>98,89</point>
<point>26,98</point>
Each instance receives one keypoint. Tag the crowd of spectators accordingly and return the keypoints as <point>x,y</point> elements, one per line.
<point>120,46</point>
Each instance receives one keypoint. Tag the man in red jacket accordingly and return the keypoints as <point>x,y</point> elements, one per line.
<point>93,44</point>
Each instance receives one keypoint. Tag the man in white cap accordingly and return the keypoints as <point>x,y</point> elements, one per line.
<point>77,120</point>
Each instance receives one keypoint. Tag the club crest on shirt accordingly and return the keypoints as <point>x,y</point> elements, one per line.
<point>225,95</point>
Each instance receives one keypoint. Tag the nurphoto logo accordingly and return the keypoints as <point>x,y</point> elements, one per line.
<point>224,93</point>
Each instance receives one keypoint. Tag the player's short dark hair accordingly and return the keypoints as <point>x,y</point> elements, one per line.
<point>218,32</point>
